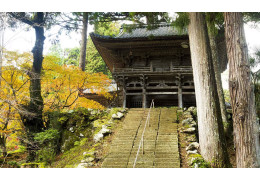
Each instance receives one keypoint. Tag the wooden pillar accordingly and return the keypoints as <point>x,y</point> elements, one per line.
<point>144,98</point>
<point>113,68</point>
<point>151,66</point>
<point>124,93</point>
<point>180,101</point>
<point>144,93</point>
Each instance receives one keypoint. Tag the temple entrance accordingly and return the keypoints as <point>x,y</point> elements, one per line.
<point>163,100</point>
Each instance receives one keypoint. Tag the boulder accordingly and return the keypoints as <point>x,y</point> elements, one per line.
<point>123,110</point>
<point>97,137</point>
<point>105,130</point>
<point>118,115</point>
<point>191,138</point>
<point>82,165</point>
<point>114,116</point>
<point>193,146</point>
<point>71,129</point>
<point>89,154</point>
<point>192,152</point>
<point>187,121</point>
<point>87,160</point>
<point>191,130</point>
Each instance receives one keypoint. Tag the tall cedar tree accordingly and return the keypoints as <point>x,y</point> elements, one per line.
<point>246,135</point>
<point>83,48</point>
<point>211,132</point>
<point>213,32</point>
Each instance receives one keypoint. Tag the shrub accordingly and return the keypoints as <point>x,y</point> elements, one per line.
<point>48,142</point>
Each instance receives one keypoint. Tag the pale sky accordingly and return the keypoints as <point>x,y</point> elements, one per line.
<point>24,41</point>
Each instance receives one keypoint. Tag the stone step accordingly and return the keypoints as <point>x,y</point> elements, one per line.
<point>160,140</point>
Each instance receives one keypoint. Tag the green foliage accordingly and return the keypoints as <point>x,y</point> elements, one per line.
<point>76,143</point>
<point>215,22</point>
<point>48,142</point>
<point>13,164</point>
<point>50,135</point>
<point>251,17</point>
<point>107,28</point>
<point>226,96</point>
<point>94,62</point>
<point>72,57</point>
<point>181,22</point>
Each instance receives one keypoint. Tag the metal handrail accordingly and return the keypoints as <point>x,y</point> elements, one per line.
<point>142,138</point>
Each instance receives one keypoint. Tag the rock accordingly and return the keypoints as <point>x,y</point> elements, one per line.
<point>87,160</point>
<point>193,124</point>
<point>118,115</point>
<point>196,165</point>
<point>191,130</point>
<point>187,114</point>
<point>114,116</point>
<point>82,165</point>
<point>191,139</point>
<point>97,137</point>
<point>192,152</point>
<point>81,135</point>
<point>123,110</point>
<point>71,129</point>
<point>94,112</point>
<point>187,121</point>
<point>193,146</point>
<point>105,130</point>
<point>89,154</point>
<point>191,109</point>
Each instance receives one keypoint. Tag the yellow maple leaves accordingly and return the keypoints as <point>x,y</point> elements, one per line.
<point>62,87</point>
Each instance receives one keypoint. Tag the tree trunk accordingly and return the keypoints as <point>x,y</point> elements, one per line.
<point>3,144</point>
<point>83,48</point>
<point>33,121</point>
<point>216,59</point>
<point>246,136</point>
<point>211,133</point>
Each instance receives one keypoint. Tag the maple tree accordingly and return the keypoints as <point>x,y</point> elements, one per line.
<point>62,90</point>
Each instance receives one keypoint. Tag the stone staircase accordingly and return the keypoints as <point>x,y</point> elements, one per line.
<point>160,140</point>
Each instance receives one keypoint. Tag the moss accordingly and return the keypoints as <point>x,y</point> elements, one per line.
<point>198,160</point>
<point>33,165</point>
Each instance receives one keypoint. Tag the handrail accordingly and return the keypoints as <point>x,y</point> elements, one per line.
<point>142,138</point>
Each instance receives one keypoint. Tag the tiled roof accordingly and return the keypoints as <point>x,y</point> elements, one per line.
<point>160,31</point>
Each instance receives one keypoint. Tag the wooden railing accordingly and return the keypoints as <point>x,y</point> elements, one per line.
<point>148,69</point>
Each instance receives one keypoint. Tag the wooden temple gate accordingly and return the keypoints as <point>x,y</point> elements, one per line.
<point>149,64</point>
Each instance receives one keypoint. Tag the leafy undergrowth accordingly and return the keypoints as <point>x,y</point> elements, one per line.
<point>13,160</point>
<point>72,157</point>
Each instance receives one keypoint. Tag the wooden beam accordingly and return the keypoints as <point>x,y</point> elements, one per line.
<point>124,93</point>
<point>180,101</point>
<point>134,94</point>
<point>188,92</point>
<point>154,93</point>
